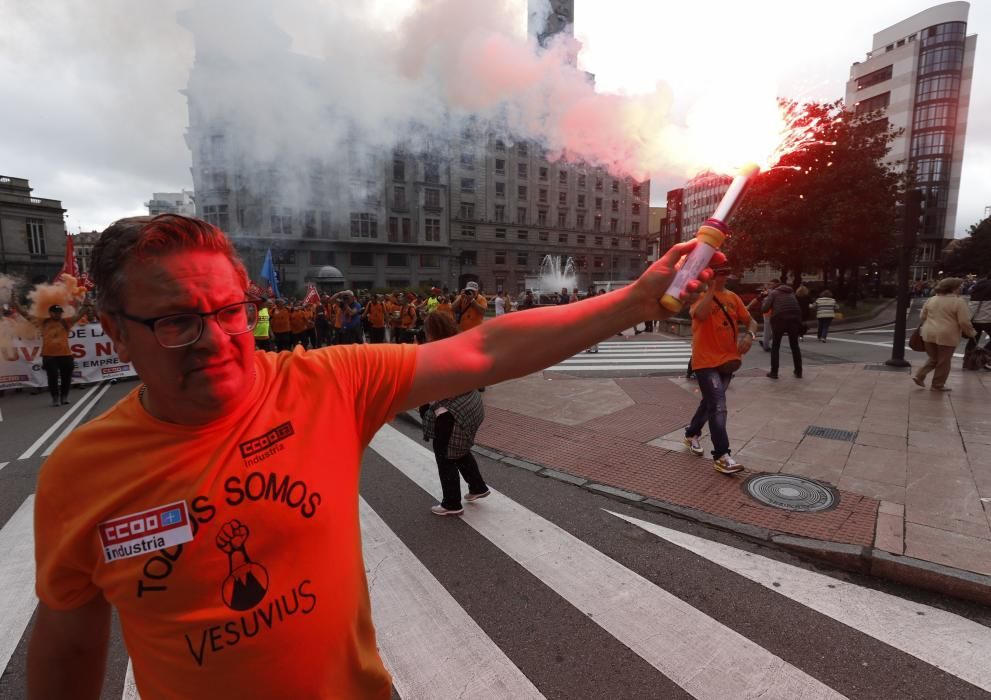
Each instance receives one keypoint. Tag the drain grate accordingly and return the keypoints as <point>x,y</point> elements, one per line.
<point>793,493</point>
<point>886,368</point>
<point>831,433</point>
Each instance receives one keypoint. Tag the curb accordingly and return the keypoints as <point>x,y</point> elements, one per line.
<point>870,561</point>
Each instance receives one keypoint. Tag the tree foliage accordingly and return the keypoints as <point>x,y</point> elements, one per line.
<point>828,204</point>
<point>971,254</point>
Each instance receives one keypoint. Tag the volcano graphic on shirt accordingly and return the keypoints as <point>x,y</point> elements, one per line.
<point>247,581</point>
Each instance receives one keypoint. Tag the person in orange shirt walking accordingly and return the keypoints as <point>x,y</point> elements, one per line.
<point>716,354</point>
<point>297,324</point>
<point>469,307</point>
<point>281,323</point>
<point>376,313</point>
<point>56,356</point>
<point>408,316</point>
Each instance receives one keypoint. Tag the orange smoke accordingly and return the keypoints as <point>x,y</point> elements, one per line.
<point>66,293</point>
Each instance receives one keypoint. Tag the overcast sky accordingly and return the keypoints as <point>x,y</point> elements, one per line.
<point>93,114</point>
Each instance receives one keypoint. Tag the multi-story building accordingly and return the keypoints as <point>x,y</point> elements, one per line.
<point>171,203</point>
<point>918,76</point>
<point>700,199</point>
<point>32,232</point>
<point>673,225</point>
<point>655,232</point>
<point>83,243</point>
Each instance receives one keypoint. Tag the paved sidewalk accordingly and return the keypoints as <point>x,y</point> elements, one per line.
<point>910,479</point>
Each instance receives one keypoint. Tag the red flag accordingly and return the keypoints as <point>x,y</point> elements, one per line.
<point>85,282</point>
<point>255,290</point>
<point>69,266</point>
<point>312,295</point>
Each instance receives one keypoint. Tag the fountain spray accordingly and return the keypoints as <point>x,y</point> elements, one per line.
<point>711,236</point>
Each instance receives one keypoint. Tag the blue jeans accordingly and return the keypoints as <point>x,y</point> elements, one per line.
<point>713,386</point>
<point>824,327</point>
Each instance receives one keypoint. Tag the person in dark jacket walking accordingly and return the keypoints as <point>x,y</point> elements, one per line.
<point>786,318</point>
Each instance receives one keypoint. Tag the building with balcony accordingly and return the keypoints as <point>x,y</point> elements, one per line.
<point>171,203</point>
<point>918,77</point>
<point>32,232</point>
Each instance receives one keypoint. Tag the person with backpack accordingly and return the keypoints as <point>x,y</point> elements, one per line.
<point>786,319</point>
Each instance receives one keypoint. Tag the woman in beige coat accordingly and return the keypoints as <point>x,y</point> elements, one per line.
<point>945,317</point>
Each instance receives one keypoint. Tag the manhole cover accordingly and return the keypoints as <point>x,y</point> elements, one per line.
<point>791,493</point>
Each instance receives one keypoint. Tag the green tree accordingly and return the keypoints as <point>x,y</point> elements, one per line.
<point>971,254</point>
<point>829,204</point>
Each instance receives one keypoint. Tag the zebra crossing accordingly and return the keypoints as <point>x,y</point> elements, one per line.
<point>630,356</point>
<point>438,641</point>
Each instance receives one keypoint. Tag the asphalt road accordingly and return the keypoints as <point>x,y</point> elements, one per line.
<point>544,589</point>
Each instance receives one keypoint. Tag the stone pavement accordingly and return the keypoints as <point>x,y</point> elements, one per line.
<point>910,477</point>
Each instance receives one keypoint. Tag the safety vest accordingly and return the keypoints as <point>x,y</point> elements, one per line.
<point>261,328</point>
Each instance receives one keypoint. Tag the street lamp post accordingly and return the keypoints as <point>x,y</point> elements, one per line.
<point>910,225</point>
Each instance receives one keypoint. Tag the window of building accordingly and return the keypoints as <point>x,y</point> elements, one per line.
<point>364,225</point>
<point>562,177</point>
<point>581,180</point>
<point>282,221</point>
<point>396,260</point>
<point>522,258</point>
<point>597,262</point>
<point>543,235</point>
<point>398,169</point>
<point>542,196</point>
<point>598,203</point>
<point>598,184</point>
<point>581,262</point>
<point>636,210</point>
<point>938,87</point>
<point>469,258</point>
<point>932,143</point>
<point>431,171</point>
<point>321,257</point>
<point>391,283</point>
<point>468,231</point>
<point>635,264</point>
<point>521,148</point>
<point>597,223</point>
<point>615,186</point>
<point>362,259</point>
<point>37,245</point>
<point>934,115</point>
<point>634,227</point>
<point>217,215</point>
<point>500,145</point>
<point>542,217</point>
<point>944,58</point>
<point>636,191</point>
<point>429,261</point>
<point>500,257</point>
<point>579,220</point>
<point>407,229</point>
<point>932,169</point>
<point>873,104</point>
<point>521,191</point>
<point>522,234</point>
<point>467,184</point>
<point>615,262</point>
<point>431,198</point>
<point>467,210</point>
<point>634,242</point>
<point>500,166</point>
<point>598,240</point>
<point>399,197</point>
<point>431,229</point>
<point>500,233</point>
<point>521,170</point>
<point>878,76</point>
<point>500,213</point>
<point>562,218</point>
<point>326,224</point>
<point>542,173</point>
<point>521,215</point>
<point>468,161</point>
<point>580,239</point>
<point>393,229</point>
<point>500,189</point>
<point>615,243</point>
<point>562,238</point>
<point>562,199</point>
<point>614,205</point>
<point>581,201</point>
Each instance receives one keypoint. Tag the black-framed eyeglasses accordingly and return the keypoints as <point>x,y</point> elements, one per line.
<point>179,330</point>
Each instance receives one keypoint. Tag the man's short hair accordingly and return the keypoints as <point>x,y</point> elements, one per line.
<point>144,237</point>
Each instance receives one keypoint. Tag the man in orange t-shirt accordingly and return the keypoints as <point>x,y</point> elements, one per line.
<point>376,313</point>
<point>470,307</point>
<point>716,355</point>
<point>297,324</point>
<point>202,506</point>
<point>281,324</point>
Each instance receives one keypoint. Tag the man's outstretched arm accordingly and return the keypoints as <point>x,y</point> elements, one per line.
<point>67,655</point>
<point>515,345</point>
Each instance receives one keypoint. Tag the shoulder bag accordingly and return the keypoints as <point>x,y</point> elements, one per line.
<point>732,365</point>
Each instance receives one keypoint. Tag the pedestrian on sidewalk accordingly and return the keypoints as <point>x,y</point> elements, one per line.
<point>945,317</point>
<point>980,304</point>
<point>717,352</point>
<point>825,306</point>
<point>755,308</point>
<point>786,319</point>
<point>452,424</point>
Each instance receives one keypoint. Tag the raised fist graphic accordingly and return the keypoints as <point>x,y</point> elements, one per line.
<point>247,582</point>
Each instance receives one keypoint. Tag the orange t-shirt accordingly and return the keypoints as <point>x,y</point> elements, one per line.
<point>470,316</point>
<point>714,339</point>
<point>311,318</point>
<point>54,337</point>
<point>407,317</point>
<point>445,308</point>
<point>265,595</point>
<point>297,321</point>
<point>280,320</point>
<point>376,314</point>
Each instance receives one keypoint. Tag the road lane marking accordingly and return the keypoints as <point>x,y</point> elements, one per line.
<point>947,641</point>
<point>130,687</point>
<point>55,426</point>
<point>613,368</point>
<point>72,426</point>
<point>703,656</point>
<point>880,345</point>
<point>430,644</point>
<point>17,598</point>
<point>3,464</point>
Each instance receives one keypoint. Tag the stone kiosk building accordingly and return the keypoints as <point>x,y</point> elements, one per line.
<point>32,232</point>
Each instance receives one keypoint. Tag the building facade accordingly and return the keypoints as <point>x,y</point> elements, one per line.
<point>83,243</point>
<point>171,203</point>
<point>32,232</point>
<point>918,77</point>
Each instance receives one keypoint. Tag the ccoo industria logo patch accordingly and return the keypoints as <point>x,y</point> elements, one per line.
<point>262,446</point>
<point>144,532</point>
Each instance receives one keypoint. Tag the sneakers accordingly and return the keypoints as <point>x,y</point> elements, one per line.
<point>727,465</point>
<point>475,496</point>
<point>919,382</point>
<point>441,510</point>
<point>772,375</point>
<point>65,401</point>
<point>940,388</point>
<point>54,403</point>
<point>694,445</point>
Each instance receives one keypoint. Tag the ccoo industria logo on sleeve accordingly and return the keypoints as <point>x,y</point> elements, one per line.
<point>144,532</point>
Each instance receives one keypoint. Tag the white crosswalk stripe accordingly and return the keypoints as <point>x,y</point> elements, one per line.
<point>17,599</point>
<point>619,356</point>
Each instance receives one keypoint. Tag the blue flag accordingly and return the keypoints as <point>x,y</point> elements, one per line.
<point>269,274</point>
